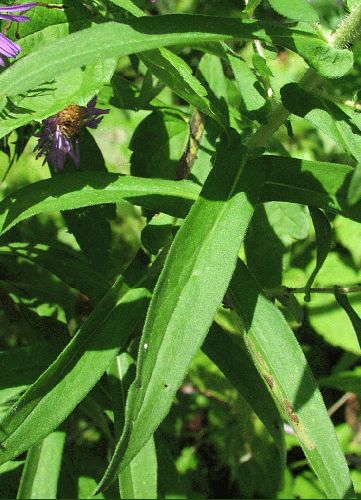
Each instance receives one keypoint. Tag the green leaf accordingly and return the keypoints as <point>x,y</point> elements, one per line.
<point>80,365</point>
<point>129,6</point>
<point>345,381</point>
<point>323,233</point>
<point>21,366</point>
<point>237,366</point>
<point>348,234</point>
<point>67,265</point>
<point>81,189</point>
<point>76,86</point>
<point>157,144</point>
<point>211,74</point>
<point>355,319</point>
<point>325,115</point>
<point>139,479</point>
<point>280,360</point>
<point>247,83</point>
<point>91,223</point>
<point>274,228</point>
<point>191,286</point>
<point>51,24</point>
<point>354,190</point>
<point>318,184</point>
<point>42,468</point>
<point>324,314</point>
<point>301,10</point>
<point>112,39</point>
<point>177,75</point>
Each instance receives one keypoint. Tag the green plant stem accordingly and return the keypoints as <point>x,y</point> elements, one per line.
<point>348,31</point>
<point>285,291</point>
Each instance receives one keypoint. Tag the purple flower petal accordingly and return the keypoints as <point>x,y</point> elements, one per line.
<point>12,18</point>
<point>8,47</point>
<point>19,8</point>
<point>58,138</point>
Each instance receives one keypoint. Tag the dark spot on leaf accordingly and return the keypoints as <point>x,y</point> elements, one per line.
<point>291,412</point>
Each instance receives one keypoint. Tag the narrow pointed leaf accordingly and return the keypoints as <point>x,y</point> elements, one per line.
<point>323,233</point>
<point>191,286</point>
<point>139,479</point>
<point>42,468</point>
<point>318,184</point>
<point>247,82</point>
<point>80,365</point>
<point>112,39</point>
<point>281,361</point>
<point>80,189</point>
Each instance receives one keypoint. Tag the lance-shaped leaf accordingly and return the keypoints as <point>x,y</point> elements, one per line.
<point>112,39</point>
<point>80,365</point>
<point>42,468</point>
<point>281,361</point>
<point>314,183</point>
<point>190,288</point>
<point>139,479</point>
<point>81,189</point>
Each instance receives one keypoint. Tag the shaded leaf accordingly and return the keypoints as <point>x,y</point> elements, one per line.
<point>281,361</point>
<point>323,233</point>
<point>80,365</point>
<point>325,115</point>
<point>237,366</point>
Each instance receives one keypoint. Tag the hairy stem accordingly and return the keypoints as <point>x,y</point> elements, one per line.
<point>349,30</point>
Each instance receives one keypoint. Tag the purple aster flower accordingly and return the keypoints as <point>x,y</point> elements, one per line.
<point>59,136</point>
<point>9,48</point>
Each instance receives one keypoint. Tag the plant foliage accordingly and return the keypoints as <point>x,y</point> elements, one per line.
<point>180,256</point>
